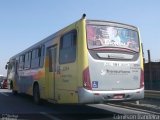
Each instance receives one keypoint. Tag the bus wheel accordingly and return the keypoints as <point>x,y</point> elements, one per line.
<point>36,94</point>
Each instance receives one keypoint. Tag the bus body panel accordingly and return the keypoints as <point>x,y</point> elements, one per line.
<point>82,54</point>
<point>65,73</point>
<point>89,96</point>
<point>114,75</point>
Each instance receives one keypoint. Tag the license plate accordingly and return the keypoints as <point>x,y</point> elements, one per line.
<point>118,96</point>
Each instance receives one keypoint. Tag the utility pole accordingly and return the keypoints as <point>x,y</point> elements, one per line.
<point>150,69</point>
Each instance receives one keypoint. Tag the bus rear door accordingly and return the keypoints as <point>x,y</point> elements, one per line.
<point>52,55</point>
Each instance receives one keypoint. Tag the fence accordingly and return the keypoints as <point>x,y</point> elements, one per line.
<point>152,75</point>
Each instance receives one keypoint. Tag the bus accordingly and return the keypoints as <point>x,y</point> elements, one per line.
<point>89,61</point>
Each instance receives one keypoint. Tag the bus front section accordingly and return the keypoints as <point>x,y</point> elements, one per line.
<point>115,64</point>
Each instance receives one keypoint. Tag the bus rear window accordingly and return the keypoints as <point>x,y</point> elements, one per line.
<point>109,36</point>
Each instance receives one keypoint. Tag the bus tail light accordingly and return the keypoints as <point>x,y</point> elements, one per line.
<point>142,79</point>
<point>86,79</point>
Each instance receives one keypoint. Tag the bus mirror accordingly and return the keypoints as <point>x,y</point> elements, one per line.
<point>6,67</point>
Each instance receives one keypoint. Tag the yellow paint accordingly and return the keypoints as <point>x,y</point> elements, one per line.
<point>141,54</point>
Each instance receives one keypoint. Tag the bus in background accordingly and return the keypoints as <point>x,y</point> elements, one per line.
<point>89,61</point>
<point>3,82</point>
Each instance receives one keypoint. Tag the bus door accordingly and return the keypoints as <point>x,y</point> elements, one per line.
<point>52,53</point>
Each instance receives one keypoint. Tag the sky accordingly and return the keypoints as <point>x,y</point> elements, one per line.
<point>25,22</point>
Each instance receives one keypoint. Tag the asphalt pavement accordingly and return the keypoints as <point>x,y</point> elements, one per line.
<point>21,106</point>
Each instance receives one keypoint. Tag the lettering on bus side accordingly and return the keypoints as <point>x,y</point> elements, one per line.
<point>114,72</point>
<point>117,71</point>
<point>65,80</point>
<point>66,77</point>
<point>135,68</point>
<point>59,69</point>
<point>65,68</point>
<point>116,64</point>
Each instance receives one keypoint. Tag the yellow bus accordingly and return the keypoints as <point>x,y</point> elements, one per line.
<point>89,61</point>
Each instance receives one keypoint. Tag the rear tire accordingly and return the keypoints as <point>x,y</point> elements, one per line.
<point>36,94</point>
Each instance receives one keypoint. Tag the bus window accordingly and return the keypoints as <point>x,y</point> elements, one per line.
<point>50,60</point>
<point>42,55</point>
<point>35,58</point>
<point>112,37</point>
<point>21,62</point>
<point>27,60</point>
<point>68,47</point>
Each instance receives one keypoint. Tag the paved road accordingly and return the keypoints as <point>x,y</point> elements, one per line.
<point>22,107</point>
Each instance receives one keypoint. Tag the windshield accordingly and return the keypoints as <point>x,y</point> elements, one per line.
<point>109,36</point>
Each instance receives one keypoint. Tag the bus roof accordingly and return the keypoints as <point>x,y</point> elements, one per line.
<point>111,23</point>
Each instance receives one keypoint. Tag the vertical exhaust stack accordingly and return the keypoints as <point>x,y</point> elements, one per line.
<point>149,56</point>
<point>150,69</point>
<point>83,16</point>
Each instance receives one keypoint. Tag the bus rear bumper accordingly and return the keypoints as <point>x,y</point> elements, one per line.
<point>89,96</point>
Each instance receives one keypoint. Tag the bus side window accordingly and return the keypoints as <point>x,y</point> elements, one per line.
<point>9,67</point>
<point>27,60</point>
<point>50,59</point>
<point>21,62</point>
<point>35,58</point>
<point>68,47</point>
<point>42,55</point>
<point>16,65</point>
<point>13,66</point>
